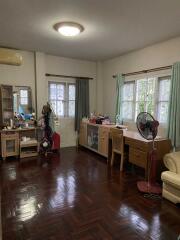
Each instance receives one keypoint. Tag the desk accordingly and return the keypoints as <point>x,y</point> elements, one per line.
<point>140,148</point>
<point>97,138</point>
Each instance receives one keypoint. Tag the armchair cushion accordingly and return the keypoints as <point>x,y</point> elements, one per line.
<point>171,178</point>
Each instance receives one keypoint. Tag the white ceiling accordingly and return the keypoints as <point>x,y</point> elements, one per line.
<point>112,27</point>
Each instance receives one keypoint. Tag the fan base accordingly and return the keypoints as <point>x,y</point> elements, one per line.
<point>146,187</point>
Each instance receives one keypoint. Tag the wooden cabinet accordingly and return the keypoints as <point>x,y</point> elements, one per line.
<point>12,144</point>
<point>94,137</point>
<point>9,145</point>
<point>103,140</point>
<point>83,134</point>
<point>6,104</point>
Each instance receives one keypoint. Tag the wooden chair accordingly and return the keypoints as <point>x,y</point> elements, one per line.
<point>117,145</point>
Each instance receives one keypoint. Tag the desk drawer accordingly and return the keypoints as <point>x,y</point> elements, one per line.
<point>139,145</point>
<point>138,157</point>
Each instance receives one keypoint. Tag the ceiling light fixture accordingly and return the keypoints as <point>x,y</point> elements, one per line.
<point>69,29</point>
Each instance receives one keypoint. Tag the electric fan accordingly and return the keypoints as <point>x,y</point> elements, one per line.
<point>148,127</point>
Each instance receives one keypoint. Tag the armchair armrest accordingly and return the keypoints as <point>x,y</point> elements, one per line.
<point>172,161</point>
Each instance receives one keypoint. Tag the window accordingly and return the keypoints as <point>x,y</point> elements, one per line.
<point>57,98</point>
<point>24,97</point>
<point>146,95</point>
<point>163,99</point>
<point>62,98</point>
<point>71,100</point>
<point>128,101</point>
<point>145,90</point>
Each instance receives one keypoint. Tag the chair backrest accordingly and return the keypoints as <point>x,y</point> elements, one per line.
<point>117,140</point>
<point>172,162</point>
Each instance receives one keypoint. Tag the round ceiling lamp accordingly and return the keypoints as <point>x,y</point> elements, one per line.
<point>69,29</point>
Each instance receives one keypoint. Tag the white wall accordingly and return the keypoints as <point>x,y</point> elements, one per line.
<point>73,67</point>
<point>162,54</point>
<point>32,72</point>
<point>63,66</point>
<point>99,88</point>
<point>40,69</point>
<point>102,88</point>
<point>23,75</point>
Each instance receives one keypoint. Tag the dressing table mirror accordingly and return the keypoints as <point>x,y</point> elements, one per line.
<point>15,105</point>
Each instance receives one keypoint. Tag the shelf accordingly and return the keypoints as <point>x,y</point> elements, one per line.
<point>29,143</point>
<point>28,154</point>
<point>8,109</point>
<point>29,148</point>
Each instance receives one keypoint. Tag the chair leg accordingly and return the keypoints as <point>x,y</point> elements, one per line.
<point>112,159</point>
<point>122,161</point>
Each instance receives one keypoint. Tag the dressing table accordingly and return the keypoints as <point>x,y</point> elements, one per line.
<point>19,136</point>
<point>21,142</point>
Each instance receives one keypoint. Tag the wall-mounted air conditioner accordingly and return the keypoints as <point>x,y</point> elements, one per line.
<point>10,57</point>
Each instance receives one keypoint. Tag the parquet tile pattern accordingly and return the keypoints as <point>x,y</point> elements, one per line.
<point>77,196</point>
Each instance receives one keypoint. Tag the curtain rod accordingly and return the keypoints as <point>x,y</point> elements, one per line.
<point>146,71</point>
<point>66,76</point>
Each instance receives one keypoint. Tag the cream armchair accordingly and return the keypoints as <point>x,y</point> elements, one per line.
<point>171,178</point>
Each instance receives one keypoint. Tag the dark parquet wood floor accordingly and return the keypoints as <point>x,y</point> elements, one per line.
<point>76,196</point>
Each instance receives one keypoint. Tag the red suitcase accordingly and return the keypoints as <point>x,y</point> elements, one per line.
<point>56,141</point>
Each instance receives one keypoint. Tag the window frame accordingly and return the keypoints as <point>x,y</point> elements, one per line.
<point>68,100</point>
<point>20,98</point>
<point>168,77</point>
<point>156,101</point>
<point>133,101</point>
<point>66,97</point>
